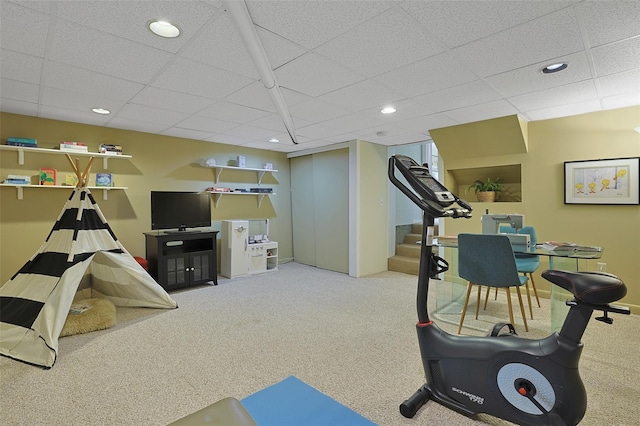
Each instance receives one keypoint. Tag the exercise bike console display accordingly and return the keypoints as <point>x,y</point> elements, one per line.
<point>524,381</point>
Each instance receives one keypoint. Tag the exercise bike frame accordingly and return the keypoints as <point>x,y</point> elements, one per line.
<point>525,381</point>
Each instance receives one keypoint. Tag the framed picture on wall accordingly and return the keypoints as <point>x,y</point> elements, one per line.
<point>610,181</point>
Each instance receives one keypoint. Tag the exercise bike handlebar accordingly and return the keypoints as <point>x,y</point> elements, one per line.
<point>435,200</point>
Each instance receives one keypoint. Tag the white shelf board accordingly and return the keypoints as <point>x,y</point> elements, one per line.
<point>19,188</point>
<point>218,195</point>
<point>21,150</point>
<point>219,169</point>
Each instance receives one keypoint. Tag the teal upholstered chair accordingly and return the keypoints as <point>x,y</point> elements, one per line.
<point>527,263</point>
<point>488,260</point>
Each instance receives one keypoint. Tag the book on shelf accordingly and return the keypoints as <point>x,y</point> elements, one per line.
<point>27,142</point>
<point>71,179</point>
<point>17,180</point>
<point>73,147</point>
<point>104,179</point>
<point>217,189</point>
<point>110,149</point>
<point>565,246</point>
<point>47,177</point>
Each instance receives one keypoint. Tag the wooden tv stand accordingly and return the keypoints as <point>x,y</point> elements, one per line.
<point>182,259</point>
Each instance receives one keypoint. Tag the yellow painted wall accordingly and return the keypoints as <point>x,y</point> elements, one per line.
<point>599,135</point>
<point>372,215</point>
<point>157,163</point>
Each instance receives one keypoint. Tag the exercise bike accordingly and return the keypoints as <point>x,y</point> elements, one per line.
<point>525,381</point>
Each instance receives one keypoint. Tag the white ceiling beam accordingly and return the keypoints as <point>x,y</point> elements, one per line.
<point>239,14</point>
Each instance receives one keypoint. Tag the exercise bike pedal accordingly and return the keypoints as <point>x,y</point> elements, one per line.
<point>495,332</point>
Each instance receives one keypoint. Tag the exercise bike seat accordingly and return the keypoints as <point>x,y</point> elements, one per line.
<point>597,288</point>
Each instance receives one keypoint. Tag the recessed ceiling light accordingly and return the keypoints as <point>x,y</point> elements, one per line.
<point>388,110</point>
<point>274,140</point>
<point>101,111</point>
<point>637,129</point>
<point>164,29</point>
<point>550,69</point>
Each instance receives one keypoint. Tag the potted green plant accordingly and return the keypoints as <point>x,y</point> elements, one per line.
<point>487,190</point>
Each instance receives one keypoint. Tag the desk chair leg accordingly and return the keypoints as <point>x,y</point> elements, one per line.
<point>535,290</point>
<point>510,307</point>
<point>478,300</point>
<point>486,297</point>
<point>529,298</point>
<point>464,308</point>
<point>524,317</point>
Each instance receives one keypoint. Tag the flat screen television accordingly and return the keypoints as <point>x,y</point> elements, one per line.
<point>180,210</point>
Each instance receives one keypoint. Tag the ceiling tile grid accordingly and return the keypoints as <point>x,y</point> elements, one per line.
<point>337,63</point>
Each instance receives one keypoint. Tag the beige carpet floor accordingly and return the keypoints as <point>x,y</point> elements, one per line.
<point>353,339</point>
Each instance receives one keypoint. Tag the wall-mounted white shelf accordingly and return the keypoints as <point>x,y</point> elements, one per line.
<point>20,188</point>
<point>21,150</point>
<point>218,195</point>
<point>260,172</point>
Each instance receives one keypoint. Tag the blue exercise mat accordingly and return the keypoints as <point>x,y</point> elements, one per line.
<point>292,402</point>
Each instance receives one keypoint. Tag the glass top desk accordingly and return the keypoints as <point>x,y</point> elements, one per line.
<point>569,260</point>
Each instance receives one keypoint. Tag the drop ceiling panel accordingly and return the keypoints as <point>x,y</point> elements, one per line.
<point>551,36</point>
<point>13,21</point>
<point>253,95</point>
<point>271,122</point>
<point>563,110</point>
<point>370,48</point>
<point>206,124</point>
<point>486,111</point>
<point>20,67</point>
<point>233,113</point>
<point>461,22</point>
<point>608,21</point>
<point>137,125</point>
<point>77,101</point>
<point>19,107</point>
<point>423,124</point>
<point>66,77</point>
<point>582,91</point>
<point>126,16</point>
<point>312,23</point>
<point>615,84</point>
<point>151,115</point>
<point>617,57</point>
<point>199,79</point>
<point>317,110</point>
<point>82,47</point>
<point>531,79</point>
<point>467,94</point>
<point>429,75</point>
<point>362,95</point>
<point>621,101</point>
<point>19,91</point>
<point>170,100</point>
<point>315,75</point>
<point>57,113</point>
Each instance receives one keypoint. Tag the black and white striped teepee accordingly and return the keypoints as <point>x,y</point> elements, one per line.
<point>81,256</point>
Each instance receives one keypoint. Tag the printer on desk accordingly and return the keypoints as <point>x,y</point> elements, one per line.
<point>491,225</point>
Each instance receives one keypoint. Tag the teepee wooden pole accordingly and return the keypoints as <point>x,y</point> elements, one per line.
<point>83,178</point>
<point>85,174</point>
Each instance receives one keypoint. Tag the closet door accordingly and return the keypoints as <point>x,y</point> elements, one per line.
<point>303,210</point>
<point>320,209</point>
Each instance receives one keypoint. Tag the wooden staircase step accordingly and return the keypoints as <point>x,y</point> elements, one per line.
<point>412,238</point>
<point>408,250</point>
<point>408,265</point>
